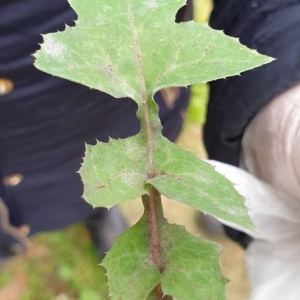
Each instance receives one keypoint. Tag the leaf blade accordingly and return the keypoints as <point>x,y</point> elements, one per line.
<point>193,270</point>
<point>188,260</point>
<point>179,175</point>
<point>114,172</point>
<point>145,43</point>
<point>130,271</point>
<point>191,181</point>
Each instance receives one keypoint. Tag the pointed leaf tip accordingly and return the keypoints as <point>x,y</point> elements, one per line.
<point>135,47</point>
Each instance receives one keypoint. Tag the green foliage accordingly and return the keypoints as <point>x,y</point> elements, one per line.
<point>191,265</point>
<point>196,112</point>
<point>130,270</point>
<point>57,267</point>
<point>133,48</point>
<point>189,180</point>
<point>117,177</point>
<point>193,270</point>
<point>180,176</point>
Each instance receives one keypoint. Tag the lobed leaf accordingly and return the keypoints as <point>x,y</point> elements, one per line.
<point>115,171</point>
<point>133,48</point>
<point>185,178</point>
<point>192,265</point>
<point>130,270</point>
<point>180,176</point>
<point>193,270</point>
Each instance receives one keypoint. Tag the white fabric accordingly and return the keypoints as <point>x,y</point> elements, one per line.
<point>273,261</point>
<point>270,155</point>
<point>271,143</point>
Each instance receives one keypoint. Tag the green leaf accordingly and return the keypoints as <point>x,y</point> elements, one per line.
<point>192,268</point>
<point>180,175</point>
<point>130,271</point>
<point>189,180</point>
<point>115,171</point>
<point>134,48</point>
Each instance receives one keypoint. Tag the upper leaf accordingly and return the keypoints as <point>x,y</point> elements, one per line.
<point>133,48</point>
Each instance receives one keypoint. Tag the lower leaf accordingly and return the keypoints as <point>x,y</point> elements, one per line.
<point>191,266</point>
<point>130,270</point>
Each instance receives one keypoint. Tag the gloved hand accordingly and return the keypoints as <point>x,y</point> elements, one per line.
<point>271,143</point>
<point>271,183</point>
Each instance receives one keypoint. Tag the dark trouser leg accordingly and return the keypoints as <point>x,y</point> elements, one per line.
<point>104,225</point>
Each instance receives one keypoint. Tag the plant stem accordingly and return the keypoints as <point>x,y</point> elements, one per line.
<point>153,207</point>
<point>152,202</point>
<point>154,211</point>
<point>144,114</point>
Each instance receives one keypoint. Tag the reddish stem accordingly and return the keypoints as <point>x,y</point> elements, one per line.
<point>154,212</point>
<point>154,209</point>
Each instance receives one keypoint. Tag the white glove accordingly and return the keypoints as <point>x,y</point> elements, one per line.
<point>271,143</point>
<point>270,154</point>
<point>273,257</point>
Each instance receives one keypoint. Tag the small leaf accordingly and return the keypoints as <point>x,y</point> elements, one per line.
<point>193,270</point>
<point>192,265</point>
<point>130,270</point>
<point>115,171</point>
<point>185,178</point>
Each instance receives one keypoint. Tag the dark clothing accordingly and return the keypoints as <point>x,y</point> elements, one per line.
<point>273,28</point>
<point>45,121</point>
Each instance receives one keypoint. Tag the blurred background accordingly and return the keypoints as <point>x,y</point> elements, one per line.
<point>63,265</point>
